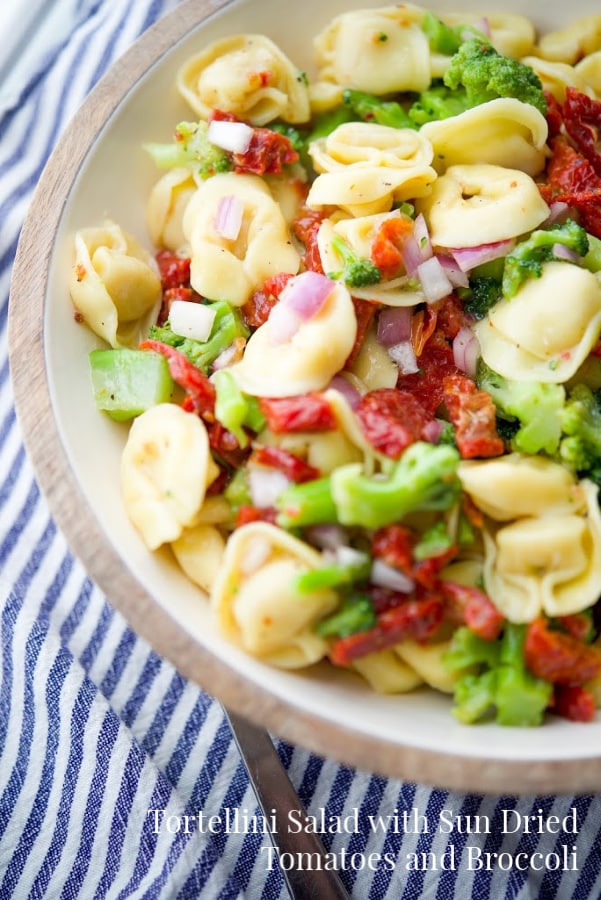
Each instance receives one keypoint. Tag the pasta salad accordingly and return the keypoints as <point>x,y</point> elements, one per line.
<point>358,354</point>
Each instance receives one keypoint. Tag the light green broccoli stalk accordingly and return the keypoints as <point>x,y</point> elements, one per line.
<point>536,408</point>
<point>486,75</point>
<point>192,150</point>
<point>356,272</point>
<point>580,447</point>
<point>236,410</point>
<point>494,680</point>
<point>527,258</point>
<point>438,102</point>
<point>424,478</point>
<point>371,108</point>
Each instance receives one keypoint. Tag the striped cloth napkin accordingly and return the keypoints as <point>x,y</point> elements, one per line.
<point>108,756</point>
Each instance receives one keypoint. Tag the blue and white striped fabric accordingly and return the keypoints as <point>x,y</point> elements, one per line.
<point>104,748</point>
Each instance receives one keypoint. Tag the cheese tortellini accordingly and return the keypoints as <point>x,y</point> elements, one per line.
<point>572,43</point>
<point>166,467</point>
<point>365,168</point>
<point>231,269</point>
<point>308,360</point>
<point>166,206</point>
<point>256,603</point>
<point>379,51</point>
<point>247,75</point>
<point>114,284</point>
<point>540,334</point>
<point>480,204</point>
<point>503,132</point>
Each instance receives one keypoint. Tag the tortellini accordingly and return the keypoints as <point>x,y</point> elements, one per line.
<point>478,204</point>
<point>589,70</point>
<point>556,77</point>
<point>380,51</point>
<point>550,564</point>
<point>548,329</point>
<point>231,269</point>
<point>114,284</point>
<point>570,44</point>
<point>503,132</point>
<point>199,551</point>
<point>511,34</point>
<point>166,206</point>
<point>366,167</point>
<point>386,673</point>
<point>247,75</point>
<point>359,234</point>
<point>256,603</point>
<point>166,467</point>
<point>308,360</point>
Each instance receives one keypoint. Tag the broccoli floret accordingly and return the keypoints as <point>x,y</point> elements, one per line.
<point>527,258</point>
<point>580,447</point>
<point>227,326</point>
<point>486,75</point>
<point>424,478</point>
<point>191,149</point>
<point>438,102</point>
<point>371,108</point>
<point>356,271</point>
<point>537,407</point>
<point>493,679</point>
<point>446,39</point>
<point>481,295</point>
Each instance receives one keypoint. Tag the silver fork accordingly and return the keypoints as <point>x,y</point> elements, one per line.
<point>277,798</point>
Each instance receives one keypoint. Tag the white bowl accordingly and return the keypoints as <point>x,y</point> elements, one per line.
<point>97,170</point>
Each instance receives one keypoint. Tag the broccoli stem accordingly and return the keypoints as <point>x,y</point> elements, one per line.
<point>126,382</point>
<point>371,108</point>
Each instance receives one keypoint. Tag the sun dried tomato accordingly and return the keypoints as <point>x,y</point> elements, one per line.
<point>387,246</point>
<point>423,326</point>
<point>174,270</point>
<point>306,412</point>
<point>394,545</point>
<point>471,606</point>
<point>257,308</point>
<point>391,420</point>
<point>582,120</point>
<point>435,361</point>
<point>426,571</point>
<point>573,702</point>
<point>267,154</point>
<point>248,513</point>
<point>450,317</point>
<point>177,293</point>
<point>305,227</point>
<point>559,657</point>
<point>473,415</point>
<point>416,620</point>
<point>293,467</point>
<point>579,625</point>
<point>554,114</point>
<point>364,313</point>
<point>200,392</point>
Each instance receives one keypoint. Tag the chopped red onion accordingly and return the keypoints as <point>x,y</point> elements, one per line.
<point>482,25</point>
<point>266,485</point>
<point>349,556</point>
<point>283,323</point>
<point>559,212</point>
<point>411,254</point>
<point>452,271</point>
<point>404,356</point>
<point>228,218</point>
<point>326,537</point>
<point>394,325</point>
<point>230,355</point>
<point>466,350</point>
<point>388,577</point>
<point>562,252</point>
<point>422,236</point>
<point>432,430</point>
<point>306,293</point>
<point>349,391</point>
<point>232,136</point>
<point>434,280</point>
<point>467,258</point>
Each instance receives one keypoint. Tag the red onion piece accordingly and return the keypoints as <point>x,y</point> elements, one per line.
<point>404,356</point>
<point>452,271</point>
<point>327,537</point>
<point>422,236</point>
<point>394,325</point>
<point>349,391</point>
<point>435,283</point>
<point>266,485</point>
<point>467,258</point>
<point>432,430</point>
<point>563,252</point>
<point>283,323</point>
<point>307,293</point>
<point>228,218</point>
<point>466,350</point>
<point>559,212</point>
<point>232,136</point>
<point>388,577</point>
